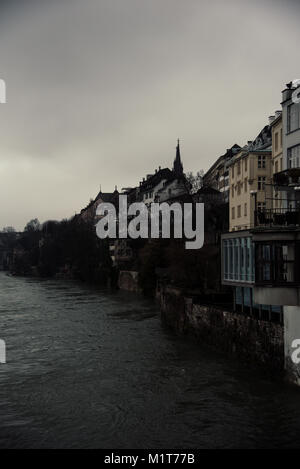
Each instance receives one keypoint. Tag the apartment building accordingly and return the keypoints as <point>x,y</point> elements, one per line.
<point>277,244</point>
<point>262,264</point>
<point>288,179</point>
<point>250,178</point>
<point>277,156</point>
<point>217,176</point>
<point>239,270</point>
<point>291,128</point>
<point>277,142</point>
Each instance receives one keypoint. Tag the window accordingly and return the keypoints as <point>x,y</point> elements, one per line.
<point>280,138</point>
<point>294,157</point>
<point>246,165</point>
<point>245,210</point>
<point>246,184</point>
<point>261,183</point>
<point>276,166</point>
<point>239,211</point>
<point>232,171</point>
<point>238,259</point>
<point>276,141</point>
<point>261,206</point>
<point>261,162</point>
<point>239,168</point>
<point>239,188</point>
<point>293,117</point>
<point>233,213</point>
<point>276,262</point>
<point>232,190</point>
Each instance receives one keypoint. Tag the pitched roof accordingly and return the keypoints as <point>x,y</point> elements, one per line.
<point>230,152</point>
<point>156,178</point>
<point>107,196</point>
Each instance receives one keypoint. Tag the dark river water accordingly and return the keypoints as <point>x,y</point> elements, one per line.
<point>91,369</point>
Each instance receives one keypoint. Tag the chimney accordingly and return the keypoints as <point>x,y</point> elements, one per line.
<point>159,168</point>
<point>249,143</point>
<point>277,114</point>
<point>271,119</point>
<point>287,92</point>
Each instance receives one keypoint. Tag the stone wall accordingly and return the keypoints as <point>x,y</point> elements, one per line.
<point>252,340</point>
<point>172,307</point>
<point>128,280</point>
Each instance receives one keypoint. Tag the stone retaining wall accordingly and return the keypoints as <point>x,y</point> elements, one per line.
<point>252,340</point>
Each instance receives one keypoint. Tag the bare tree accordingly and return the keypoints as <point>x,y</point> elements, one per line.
<point>33,225</point>
<point>195,180</point>
<point>8,229</point>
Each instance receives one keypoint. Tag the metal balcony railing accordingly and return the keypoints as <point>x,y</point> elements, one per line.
<point>277,217</point>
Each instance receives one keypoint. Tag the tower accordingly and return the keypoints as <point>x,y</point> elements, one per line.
<point>177,166</point>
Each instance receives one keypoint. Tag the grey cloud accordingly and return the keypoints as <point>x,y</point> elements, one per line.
<point>99,91</point>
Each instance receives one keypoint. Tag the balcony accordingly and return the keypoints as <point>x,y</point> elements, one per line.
<point>287,178</point>
<point>277,217</point>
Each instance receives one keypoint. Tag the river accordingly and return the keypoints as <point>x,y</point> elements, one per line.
<point>91,369</point>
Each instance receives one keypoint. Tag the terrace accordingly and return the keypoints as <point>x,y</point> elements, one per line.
<point>277,217</point>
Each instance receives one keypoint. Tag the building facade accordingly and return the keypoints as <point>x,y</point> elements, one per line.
<point>250,177</point>
<point>277,158</point>
<point>238,271</point>
<point>291,128</point>
<point>262,263</point>
<point>217,176</point>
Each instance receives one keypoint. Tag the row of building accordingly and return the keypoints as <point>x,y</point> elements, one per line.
<point>163,185</point>
<point>259,184</point>
<point>261,251</point>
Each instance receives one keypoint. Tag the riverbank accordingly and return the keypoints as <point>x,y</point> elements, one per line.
<point>254,342</point>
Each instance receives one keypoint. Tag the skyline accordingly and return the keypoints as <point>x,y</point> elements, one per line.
<point>98,95</point>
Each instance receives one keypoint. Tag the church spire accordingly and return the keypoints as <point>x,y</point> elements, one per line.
<point>177,166</point>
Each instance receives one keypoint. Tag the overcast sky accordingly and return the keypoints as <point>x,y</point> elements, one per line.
<point>98,91</point>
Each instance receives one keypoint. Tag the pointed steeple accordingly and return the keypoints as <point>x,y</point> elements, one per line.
<point>177,166</point>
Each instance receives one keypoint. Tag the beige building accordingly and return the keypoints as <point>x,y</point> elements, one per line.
<point>277,155</point>
<point>217,176</point>
<point>250,179</point>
